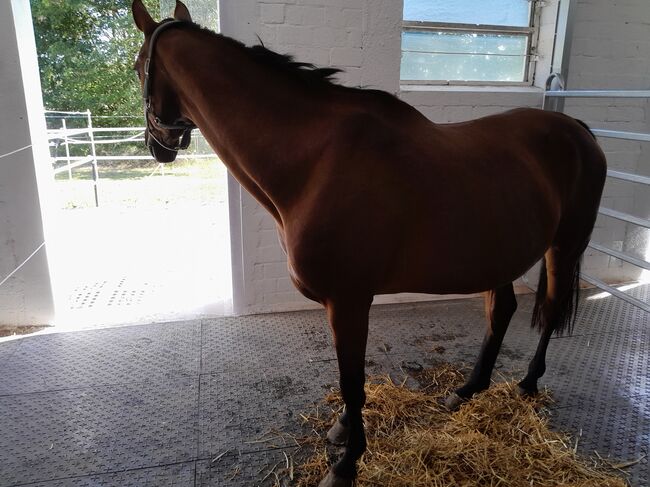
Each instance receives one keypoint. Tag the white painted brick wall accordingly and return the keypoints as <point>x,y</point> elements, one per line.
<point>272,13</point>
<point>611,47</point>
<point>358,36</point>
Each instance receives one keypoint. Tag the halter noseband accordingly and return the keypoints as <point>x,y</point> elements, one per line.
<point>186,127</point>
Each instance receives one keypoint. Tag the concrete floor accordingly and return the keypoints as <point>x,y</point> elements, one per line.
<point>152,405</point>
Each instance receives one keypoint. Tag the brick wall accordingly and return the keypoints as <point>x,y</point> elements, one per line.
<point>611,50</point>
<point>357,36</point>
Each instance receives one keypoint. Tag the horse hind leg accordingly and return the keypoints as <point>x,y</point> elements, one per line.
<point>500,305</point>
<point>555,306</point>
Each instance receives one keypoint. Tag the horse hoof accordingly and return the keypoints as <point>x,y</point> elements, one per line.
<point>333,480</point>
<point>453,402</point>
<point>338,434</point>
<point>523,392</point>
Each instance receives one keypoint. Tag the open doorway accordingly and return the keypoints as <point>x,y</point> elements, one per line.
<point>134,241</point>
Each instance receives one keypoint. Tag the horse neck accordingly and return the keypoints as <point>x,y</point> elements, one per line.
<point>265,127</point>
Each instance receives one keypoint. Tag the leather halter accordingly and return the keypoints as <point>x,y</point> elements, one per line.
<point>186,127</point>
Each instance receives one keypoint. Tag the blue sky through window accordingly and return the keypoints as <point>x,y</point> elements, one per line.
<point>491,12</point>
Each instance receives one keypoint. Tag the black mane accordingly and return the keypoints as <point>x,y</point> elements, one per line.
<point>307,72</point>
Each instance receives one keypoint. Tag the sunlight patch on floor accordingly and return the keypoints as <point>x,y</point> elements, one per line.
<point>141,265</point>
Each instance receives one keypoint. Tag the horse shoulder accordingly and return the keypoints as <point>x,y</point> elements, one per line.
<point>345,229</point>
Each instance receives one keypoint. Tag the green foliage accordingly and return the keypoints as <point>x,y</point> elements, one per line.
<point>86,51</point>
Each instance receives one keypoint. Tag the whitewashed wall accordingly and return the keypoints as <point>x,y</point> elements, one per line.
<point>611,50</point>
<point>363,37</point>
<point>26,297</point>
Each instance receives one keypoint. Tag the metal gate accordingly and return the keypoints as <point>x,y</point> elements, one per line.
<point>554,97</point>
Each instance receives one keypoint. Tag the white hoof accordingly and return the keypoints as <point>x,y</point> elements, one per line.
<point>525,392</point>
<point>332,480</point>
<point>453,402</point>
<point>338,434</point>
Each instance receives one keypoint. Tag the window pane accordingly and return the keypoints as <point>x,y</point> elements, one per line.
<point>489,12</point>
<point>458,56</point>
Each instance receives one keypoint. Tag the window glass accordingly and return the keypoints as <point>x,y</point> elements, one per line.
<point>488,12</point>
<point>463,56</point>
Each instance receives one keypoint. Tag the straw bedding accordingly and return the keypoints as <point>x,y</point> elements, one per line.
<point>499,438</point>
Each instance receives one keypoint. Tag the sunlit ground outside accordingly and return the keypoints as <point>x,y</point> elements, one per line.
<point>156,248</point>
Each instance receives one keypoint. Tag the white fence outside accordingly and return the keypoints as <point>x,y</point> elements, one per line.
<point>86,136</point>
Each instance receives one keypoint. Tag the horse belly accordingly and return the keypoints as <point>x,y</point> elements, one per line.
<point>472,253</point>
<point>461,272</point>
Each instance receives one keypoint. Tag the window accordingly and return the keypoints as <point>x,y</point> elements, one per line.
<point>469,41</point>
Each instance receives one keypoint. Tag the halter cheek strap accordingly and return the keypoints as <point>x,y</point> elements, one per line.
<point>186,127</point>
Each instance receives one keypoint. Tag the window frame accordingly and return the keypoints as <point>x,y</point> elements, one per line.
<point>531,31</point>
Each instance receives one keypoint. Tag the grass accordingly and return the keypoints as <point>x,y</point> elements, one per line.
<point>142,169</point>
<point>144,185</point>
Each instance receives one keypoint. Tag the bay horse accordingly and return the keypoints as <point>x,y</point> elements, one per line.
<point>370,197</point>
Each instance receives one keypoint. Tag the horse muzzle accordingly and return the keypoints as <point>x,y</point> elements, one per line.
<point>159,152</point>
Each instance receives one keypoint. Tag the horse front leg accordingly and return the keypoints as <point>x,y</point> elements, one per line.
<point>500,305</point>
<point>349,323</point>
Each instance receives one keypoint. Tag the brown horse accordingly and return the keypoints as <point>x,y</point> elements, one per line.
<point>370,197</point>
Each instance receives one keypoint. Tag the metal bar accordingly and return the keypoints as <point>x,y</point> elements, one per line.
<point>411,25</point>
<point>553,83</point>
<point>534,16</point>
<point>78,163</point>
<point>617,134</point>
<point>94,154</point>
<point>54,134</point>
<point>100,129</point>
<point>600,94</point>
<point>67,148</point>
<point>462,83</point>
<point>626,176</point>
<point>65,113</point>
<point>136,158</point>
<point>468,53</point>
<point>567,11</point>
<point>83,115</point>
<point>615,292</point>
<point>100,142</point>
<point>624,217</point>
<point>620,255</point>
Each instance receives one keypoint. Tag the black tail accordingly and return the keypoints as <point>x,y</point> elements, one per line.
<point>564,315</point>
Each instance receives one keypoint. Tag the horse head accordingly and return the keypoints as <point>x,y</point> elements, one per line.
<point>168,129</point>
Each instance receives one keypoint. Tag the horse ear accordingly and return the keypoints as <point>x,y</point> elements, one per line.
<point>143,20</point>
<point>181,12</point>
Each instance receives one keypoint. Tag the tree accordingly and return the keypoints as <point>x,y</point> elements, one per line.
<point>86,51</point>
